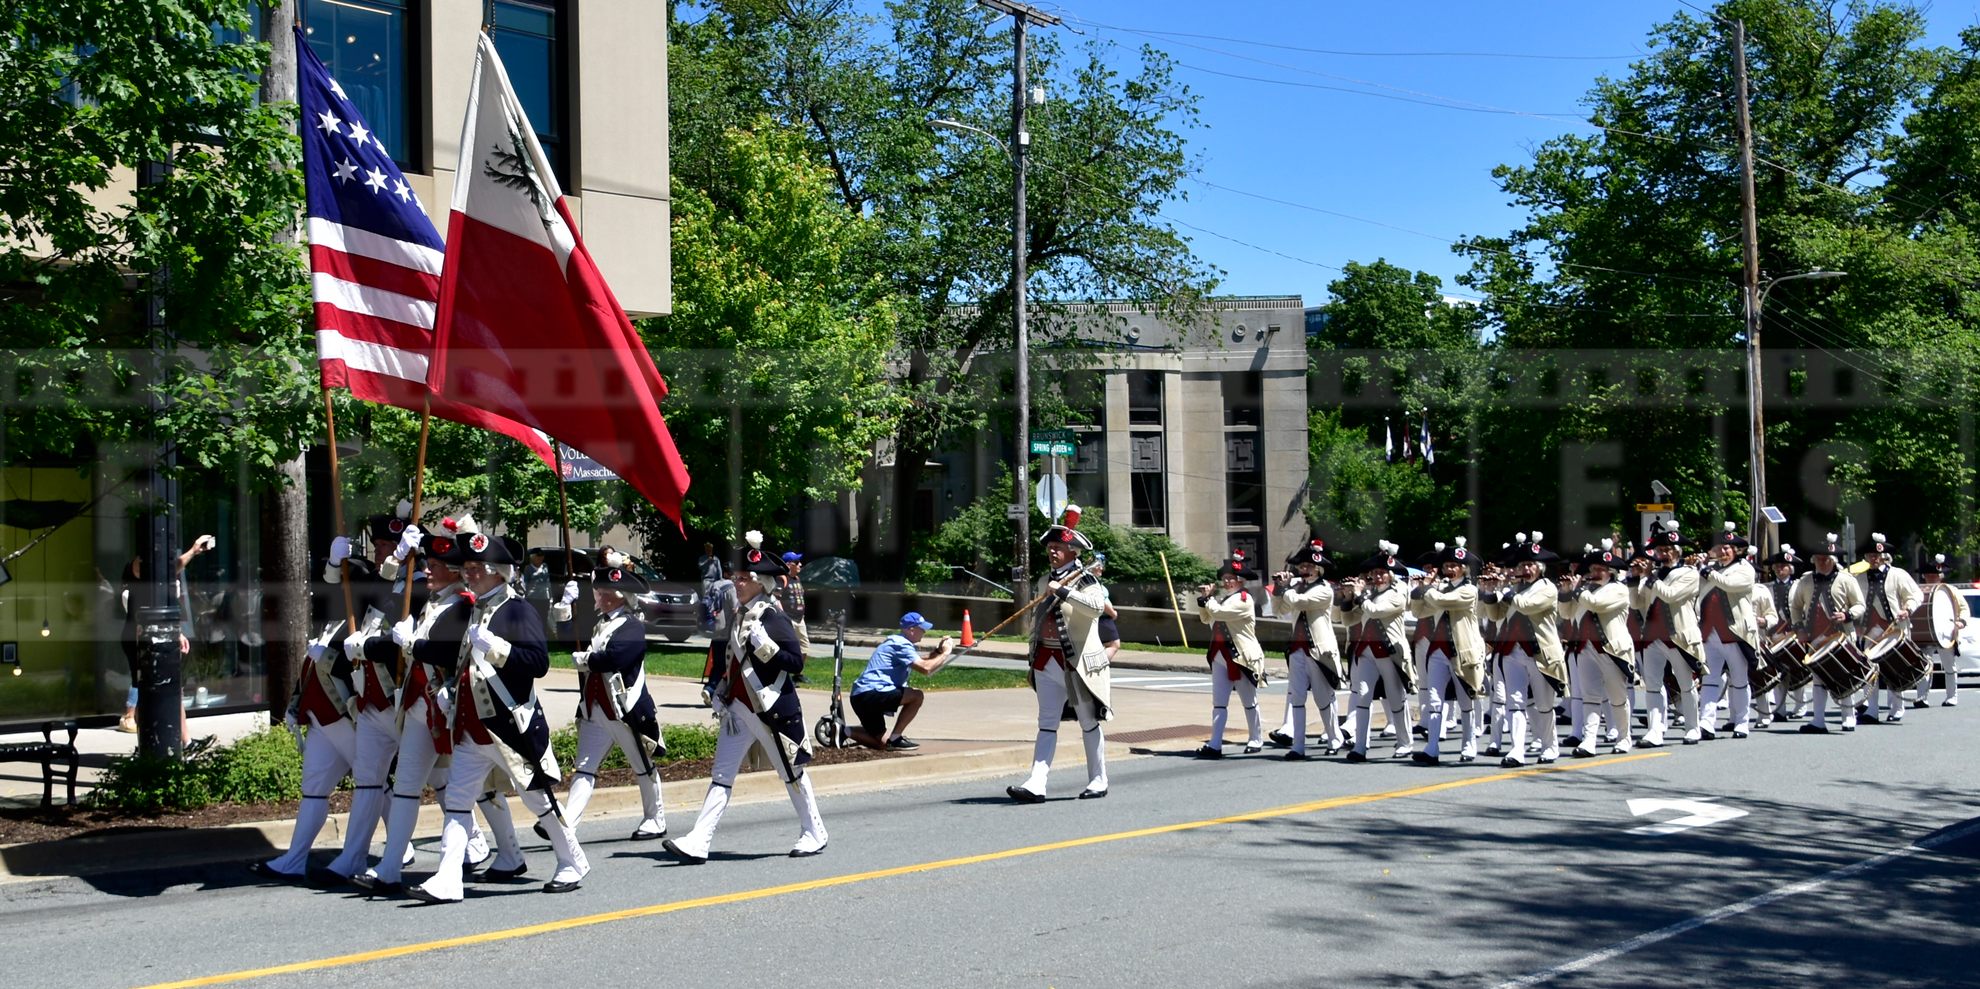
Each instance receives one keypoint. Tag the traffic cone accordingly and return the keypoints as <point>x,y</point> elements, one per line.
<point>968,633</point>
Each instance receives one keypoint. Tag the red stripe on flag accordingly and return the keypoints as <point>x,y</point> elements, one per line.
<point>373,273</point>
<point>371,329</point>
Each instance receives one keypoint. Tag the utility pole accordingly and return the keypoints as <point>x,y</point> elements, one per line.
<point>158,685</point>
<point>1762,530</point>
<point>285,548</point>
<point>1022,15</point>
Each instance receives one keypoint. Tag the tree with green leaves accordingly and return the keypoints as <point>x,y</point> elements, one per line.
<point>93,90</point>
<point>1617,304</point>
<point>1106,153</point>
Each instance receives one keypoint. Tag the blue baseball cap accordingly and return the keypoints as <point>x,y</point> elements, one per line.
<point>913,619</point>
<point>791,557</point>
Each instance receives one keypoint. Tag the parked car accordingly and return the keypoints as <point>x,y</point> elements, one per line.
<point>1969,637</point>
<point>669,608</point>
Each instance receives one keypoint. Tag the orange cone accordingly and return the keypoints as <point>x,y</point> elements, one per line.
<point>968,633</point>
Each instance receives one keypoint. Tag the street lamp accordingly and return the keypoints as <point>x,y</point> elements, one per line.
<point>1756,298</point>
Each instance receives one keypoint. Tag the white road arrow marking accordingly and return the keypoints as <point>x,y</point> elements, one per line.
<point>1697,814</point>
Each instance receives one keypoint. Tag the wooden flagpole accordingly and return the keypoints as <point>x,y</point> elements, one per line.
<point>419,490</point>
<point>1173,604</point>
<point>564,528</point>
<point>337,511</point>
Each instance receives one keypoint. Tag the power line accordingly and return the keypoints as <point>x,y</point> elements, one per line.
<point>1355,54</point>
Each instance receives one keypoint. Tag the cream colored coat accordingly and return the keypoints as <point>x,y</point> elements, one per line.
<point>1901,591</point>
<point>1458,603</point>
<point>1609,603</point>
<point>1678,590</point>
<point>1315,603</point>
<point>1239,613</point>
<point>1085,656</point>
<point>1385,608</point>
<point>1845,593</point>
<point>1539,604</point>
<point>1737,582</point>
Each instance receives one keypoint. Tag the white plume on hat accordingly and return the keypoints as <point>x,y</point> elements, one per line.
<point>465,525</point>
<point>615,559</point>
<point>1386,546</point>
<point>1878,537</point>
<point>754,538</point>
<point>1439,547</point>
<point>1831,537</point>
<point>1787,550</point>
<point>1608,544</point>
<point>1536,536</point>
<point>1939,558</point>
<point>1588,547</point>
<point>1460,542</point>
<point>404,508</point>
<point>1732,526</point>
<point>1671,525</point>
<point>1519,537</point>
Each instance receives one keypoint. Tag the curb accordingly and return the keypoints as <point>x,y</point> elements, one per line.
<point>97,854</point>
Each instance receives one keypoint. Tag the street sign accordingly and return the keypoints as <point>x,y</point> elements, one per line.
<point>1014,511</point>
<point>1656,506</point>
<point>1053,443</point>
<point>1774,515</point>
<point>1051,495</point>
<point>1697,814</point>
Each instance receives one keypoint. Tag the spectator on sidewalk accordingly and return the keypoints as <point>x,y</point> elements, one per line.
<point>883,689</point>
<point>712,572</point>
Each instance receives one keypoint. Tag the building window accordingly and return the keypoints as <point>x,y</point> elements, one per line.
<point>530,34</point>
<point>1244,481</point>
<point>1147,482</point>
<point>1244,398</point>
<point>368,47</point>
<point>1144,398</point>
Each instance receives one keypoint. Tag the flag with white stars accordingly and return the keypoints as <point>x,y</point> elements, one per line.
<point>375,260</point>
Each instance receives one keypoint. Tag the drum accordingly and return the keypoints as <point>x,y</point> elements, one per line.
<point>1840,666</point>
<point>1932,621</point>
<point>1899,661</point>
<point>1784,664</point>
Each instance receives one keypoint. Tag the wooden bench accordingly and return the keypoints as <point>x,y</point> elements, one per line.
<point>49,753</point>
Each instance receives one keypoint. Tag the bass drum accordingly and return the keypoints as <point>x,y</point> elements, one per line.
<point>1932,624</point>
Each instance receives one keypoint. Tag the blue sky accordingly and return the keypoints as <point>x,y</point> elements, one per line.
<point>1426,169</point>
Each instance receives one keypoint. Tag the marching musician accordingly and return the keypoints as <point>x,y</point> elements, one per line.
<point>1456,653</point>
<point>1946,659</point>
<point>1768,615</point>
<point>1825,601</point>
<point>1373,606</point>
<point>1890,595</point>
<point>1419,640</point>
<point>1069,670</point>
<point>614,706</point>
<point>1599,606</point>
<point>499,727</point>
<point>431,644</point>
<point>1726,626</point>
<point>1786,704</point>
<point>1535,667</point>
<point>1235,657</point>
<point>1665,590</point>
<point>1313,657</point>
<point>752,691</point>
<point>378,591</point>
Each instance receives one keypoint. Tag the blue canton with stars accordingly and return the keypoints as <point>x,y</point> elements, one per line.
<point>349,176</point>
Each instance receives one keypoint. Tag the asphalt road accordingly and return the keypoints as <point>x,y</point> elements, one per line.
<point>1852,864</point>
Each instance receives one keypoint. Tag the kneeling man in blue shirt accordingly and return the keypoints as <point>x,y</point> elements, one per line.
<point>883,689</point>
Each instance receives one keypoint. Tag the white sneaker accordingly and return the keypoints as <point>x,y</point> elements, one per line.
<point>808,844</point>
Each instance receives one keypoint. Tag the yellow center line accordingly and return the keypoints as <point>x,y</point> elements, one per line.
<point>658,909</point>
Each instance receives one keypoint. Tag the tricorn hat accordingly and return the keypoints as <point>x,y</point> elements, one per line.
<point>617,575</point>
<point>1457,553</point>
<point>1313,551</point>
<point>445,544</point>
<point>386,528</point>
<point>1666,533</point>
<point>1604,555</point>
<point>1878,544</point>
<point>1831,545</point>
<point>1067,531</point>
<point>1384,558</point>
<point>1237,566</point>
<point>479,546</point>
<point>1731,537</point>
<point>1525,550</point>
<point>755,560</point>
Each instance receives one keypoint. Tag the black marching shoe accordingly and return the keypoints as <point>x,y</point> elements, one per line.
<point>419,893</point>
<point>1812,728</point>
<point>540,831</point>
<point>503,875</point>
<point>1091,794</point>
<point>1869,719</point>
<point>649,835</point>
<point>1420,731</point>
<point>1510,762</point>
<point>1423,759</point>
<point>1571,742</point>
<point>325,879</point>
<point>1206,752</point>
<point>553,886</point>
<point>1017,793</point>
<point>270,873</point>
<point>1708,734</point>
<point>1355,755</point>
<point>1294,755</point>
<point>1253,748</point>
<point>1280,739</point>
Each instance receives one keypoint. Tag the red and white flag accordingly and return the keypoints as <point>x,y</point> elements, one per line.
<point>527,328</point>
<point>374,262</point>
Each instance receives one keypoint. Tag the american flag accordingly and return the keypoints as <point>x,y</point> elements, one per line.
<point>375,260</point>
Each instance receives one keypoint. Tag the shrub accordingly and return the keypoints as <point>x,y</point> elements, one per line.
<point>264,766</point>
<point>145,785</point>
<point>685,743</point>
